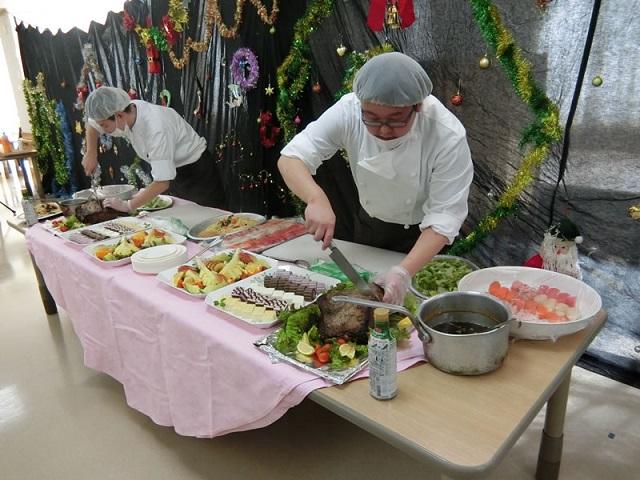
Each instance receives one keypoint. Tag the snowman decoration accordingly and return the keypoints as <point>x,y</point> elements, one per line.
<point>559,250</point>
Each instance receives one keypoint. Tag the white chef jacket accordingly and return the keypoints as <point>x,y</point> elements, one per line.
<point>424,180</point>
<point>163,138</point>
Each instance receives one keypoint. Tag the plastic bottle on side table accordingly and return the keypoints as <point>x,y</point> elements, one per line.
<point>383,377</point>
<point>5,143</point>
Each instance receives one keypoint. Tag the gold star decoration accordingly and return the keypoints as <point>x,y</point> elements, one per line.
<point>269,90</point>
<point>78,128</point>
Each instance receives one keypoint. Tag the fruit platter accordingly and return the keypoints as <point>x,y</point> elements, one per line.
<point>88,234</point>
<point>261,299</point>
<point>327,338</point>
<point>118,251</point>
<point>546,305</point>
<point>202,276</point>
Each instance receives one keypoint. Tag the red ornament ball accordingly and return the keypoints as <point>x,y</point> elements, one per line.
<point>317,88</point>
<point>297,120</point>
<point>456,100</point>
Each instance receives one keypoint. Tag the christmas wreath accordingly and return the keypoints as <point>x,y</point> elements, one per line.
<point>245,69</point>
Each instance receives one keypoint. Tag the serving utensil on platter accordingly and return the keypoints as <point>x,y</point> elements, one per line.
<point>207,246</point>
<point>299,262</point>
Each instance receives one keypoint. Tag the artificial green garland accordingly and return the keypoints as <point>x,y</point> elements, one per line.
<point>541,133</point>
<point>293,73</point>
<point>46,130</point>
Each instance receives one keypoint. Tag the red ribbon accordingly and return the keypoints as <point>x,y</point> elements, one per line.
<point>378,8</point>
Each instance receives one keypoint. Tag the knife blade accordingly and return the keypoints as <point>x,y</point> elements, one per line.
<point>348,269</point>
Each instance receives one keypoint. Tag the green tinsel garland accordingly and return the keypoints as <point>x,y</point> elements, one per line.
<point>46,130</point>
<point>293,73</point>
<point>540,133</point>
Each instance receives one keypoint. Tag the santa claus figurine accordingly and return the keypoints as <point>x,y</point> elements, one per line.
<point>559,250</point>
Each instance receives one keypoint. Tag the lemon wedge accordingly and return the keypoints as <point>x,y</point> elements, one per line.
<point>304,348</point>
<point>347,350</point>
<point>405,323</point>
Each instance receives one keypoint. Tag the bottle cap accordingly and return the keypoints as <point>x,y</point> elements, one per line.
<point>380,315</point>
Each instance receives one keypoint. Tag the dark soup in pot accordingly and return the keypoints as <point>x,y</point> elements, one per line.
<point>460,328</point>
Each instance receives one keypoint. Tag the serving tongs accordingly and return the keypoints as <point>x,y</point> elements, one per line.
<point>207,246</point>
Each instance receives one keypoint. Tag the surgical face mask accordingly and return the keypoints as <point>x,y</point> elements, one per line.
<point>388,145</point>
<point>119,132</point>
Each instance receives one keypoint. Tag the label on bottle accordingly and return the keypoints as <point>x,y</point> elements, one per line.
<point>30,216</point>
<point>382,367</point>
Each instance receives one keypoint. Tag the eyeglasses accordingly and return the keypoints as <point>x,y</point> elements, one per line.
<point>389,123</point>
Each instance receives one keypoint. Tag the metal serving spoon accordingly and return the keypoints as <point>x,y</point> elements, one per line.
<point>298,262</point>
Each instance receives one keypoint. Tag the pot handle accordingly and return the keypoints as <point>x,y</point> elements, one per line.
<point>394,308</point>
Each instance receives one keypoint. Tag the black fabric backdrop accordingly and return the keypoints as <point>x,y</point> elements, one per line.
<point>446,40</point>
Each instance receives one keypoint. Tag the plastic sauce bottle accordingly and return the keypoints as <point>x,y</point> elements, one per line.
<point>5,143</point>
<point>383,377</point>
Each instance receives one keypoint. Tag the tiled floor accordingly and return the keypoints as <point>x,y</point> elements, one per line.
<point>60,420</point>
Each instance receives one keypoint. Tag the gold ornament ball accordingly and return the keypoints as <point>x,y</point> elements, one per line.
<point>341,50</point>
<point>597,81</point>
<point>484,62</point>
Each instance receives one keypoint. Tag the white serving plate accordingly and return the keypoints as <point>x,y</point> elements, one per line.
<point>90,249</point>
<point>75,236</point>
<point>588,301</point>
<point>258,280</point>
<point>153,260</point>
<point>194,232</point>
<point>166,276</point>
<point>165,198</point>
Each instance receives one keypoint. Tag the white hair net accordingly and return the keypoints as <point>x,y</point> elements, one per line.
<point>103,102</point>
<point>392,79</point>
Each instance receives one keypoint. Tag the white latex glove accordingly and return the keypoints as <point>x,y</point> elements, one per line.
<point>117,204</point>
<point>396,283</point>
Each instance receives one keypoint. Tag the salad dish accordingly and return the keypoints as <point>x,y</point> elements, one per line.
<point>546,305</point>
<point>63,224</point>
<point>329,339</point>
<point>47,210</point>
<point>262,299</point>
<point>118,251</point>
<point>223,225</point>
<point>440,275</point>
<point>202,276</point>
<point>159,203</point>
<point>84,235</point>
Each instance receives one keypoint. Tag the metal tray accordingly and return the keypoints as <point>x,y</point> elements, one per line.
<point>267,345</point>
<point>195,232</point>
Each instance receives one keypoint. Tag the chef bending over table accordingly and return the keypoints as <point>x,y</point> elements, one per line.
<point>409,159</point>
<point>179,159</point>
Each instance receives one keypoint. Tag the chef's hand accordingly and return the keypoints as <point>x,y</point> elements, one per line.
<point>89,163</point>
<point>320,220</point>
<point>396,283</point>
<point>117,204</point>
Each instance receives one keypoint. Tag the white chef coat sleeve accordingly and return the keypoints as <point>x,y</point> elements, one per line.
<point>446,207</point>
<point>161,157</point>
<point>321,139</point>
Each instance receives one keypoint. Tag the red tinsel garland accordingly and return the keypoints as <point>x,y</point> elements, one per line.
<point>266,119</point>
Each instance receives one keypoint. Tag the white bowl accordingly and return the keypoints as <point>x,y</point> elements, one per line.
<point>588,301</point>
<point>156,259</point>
<point>123,192</point>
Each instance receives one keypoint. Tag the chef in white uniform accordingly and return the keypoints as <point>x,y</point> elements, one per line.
<point>409,158</point>
<point>178,156</point>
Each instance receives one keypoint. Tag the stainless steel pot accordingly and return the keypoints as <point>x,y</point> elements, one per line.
<point>80,207</point>
<point>475,339</point>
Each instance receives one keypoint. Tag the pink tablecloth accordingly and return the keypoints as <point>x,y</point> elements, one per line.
<point>181,363</point>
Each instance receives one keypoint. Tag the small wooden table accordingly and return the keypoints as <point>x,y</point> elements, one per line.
<point>21,156</point>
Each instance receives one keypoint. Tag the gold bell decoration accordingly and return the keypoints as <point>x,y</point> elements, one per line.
<point>392,17</point>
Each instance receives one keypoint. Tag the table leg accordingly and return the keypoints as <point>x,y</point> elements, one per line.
<point>550,453</point>
<point>47,300</point>
<point>35,173</point>
<point>27,177</point>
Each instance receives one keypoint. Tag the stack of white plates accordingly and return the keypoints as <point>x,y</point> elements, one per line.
<point>156,259</point>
